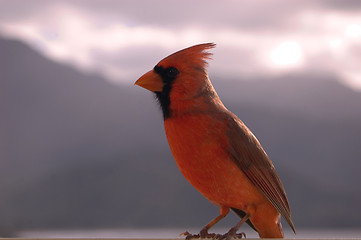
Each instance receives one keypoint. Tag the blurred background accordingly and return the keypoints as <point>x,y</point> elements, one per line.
<point>82,148</point>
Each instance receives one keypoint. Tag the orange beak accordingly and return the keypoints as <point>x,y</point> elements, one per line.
<point>150,81</point>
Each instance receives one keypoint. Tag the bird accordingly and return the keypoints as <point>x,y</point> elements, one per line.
<point>214,150</point>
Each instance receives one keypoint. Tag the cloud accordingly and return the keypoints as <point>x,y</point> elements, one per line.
<point>341,5</point>
<point>123,39</point>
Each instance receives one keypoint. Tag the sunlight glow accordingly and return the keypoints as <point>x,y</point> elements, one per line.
<point>353,31</point>
<point>335,43</point>
<point>287,54</point>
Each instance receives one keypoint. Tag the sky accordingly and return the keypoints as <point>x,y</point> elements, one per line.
<point>124,39</point>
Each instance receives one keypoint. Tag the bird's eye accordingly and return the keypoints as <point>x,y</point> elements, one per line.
<point>171,72</point>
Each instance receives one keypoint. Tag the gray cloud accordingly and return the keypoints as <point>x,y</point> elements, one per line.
<point>232,14</point>
<point>246,31</point>
<point>250,15</point>
<point>341,5</point>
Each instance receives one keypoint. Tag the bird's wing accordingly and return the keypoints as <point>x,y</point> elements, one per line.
<point>248,154</point>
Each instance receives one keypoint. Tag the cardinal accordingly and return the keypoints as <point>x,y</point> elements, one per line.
<point>214,149</point>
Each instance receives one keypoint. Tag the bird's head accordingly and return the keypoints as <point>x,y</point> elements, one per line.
<point>179,77</point>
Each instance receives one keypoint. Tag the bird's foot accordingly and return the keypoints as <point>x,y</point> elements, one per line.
<point>201,235</point>
<point>240,235</point>
<point>189,235</point>
<point>204,234</point>
<point>229,235</point>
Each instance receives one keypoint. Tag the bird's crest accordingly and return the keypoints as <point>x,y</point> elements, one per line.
<point>195,56</point>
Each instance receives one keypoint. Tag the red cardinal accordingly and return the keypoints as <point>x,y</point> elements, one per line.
<point>213,148</point>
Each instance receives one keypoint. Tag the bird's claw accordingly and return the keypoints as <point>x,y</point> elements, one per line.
<point>240,235</point>
<point>229,236</point>
<point>186,233</point>
<point>189,235</point>
<point>212,236</point>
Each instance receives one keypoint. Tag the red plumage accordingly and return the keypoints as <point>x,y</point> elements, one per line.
<point>214,149</point>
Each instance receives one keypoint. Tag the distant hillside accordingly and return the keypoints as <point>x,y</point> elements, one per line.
<point>77,151</point>
<point>314,96</point>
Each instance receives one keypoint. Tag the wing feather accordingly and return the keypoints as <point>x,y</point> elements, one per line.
<point>248,154</point>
